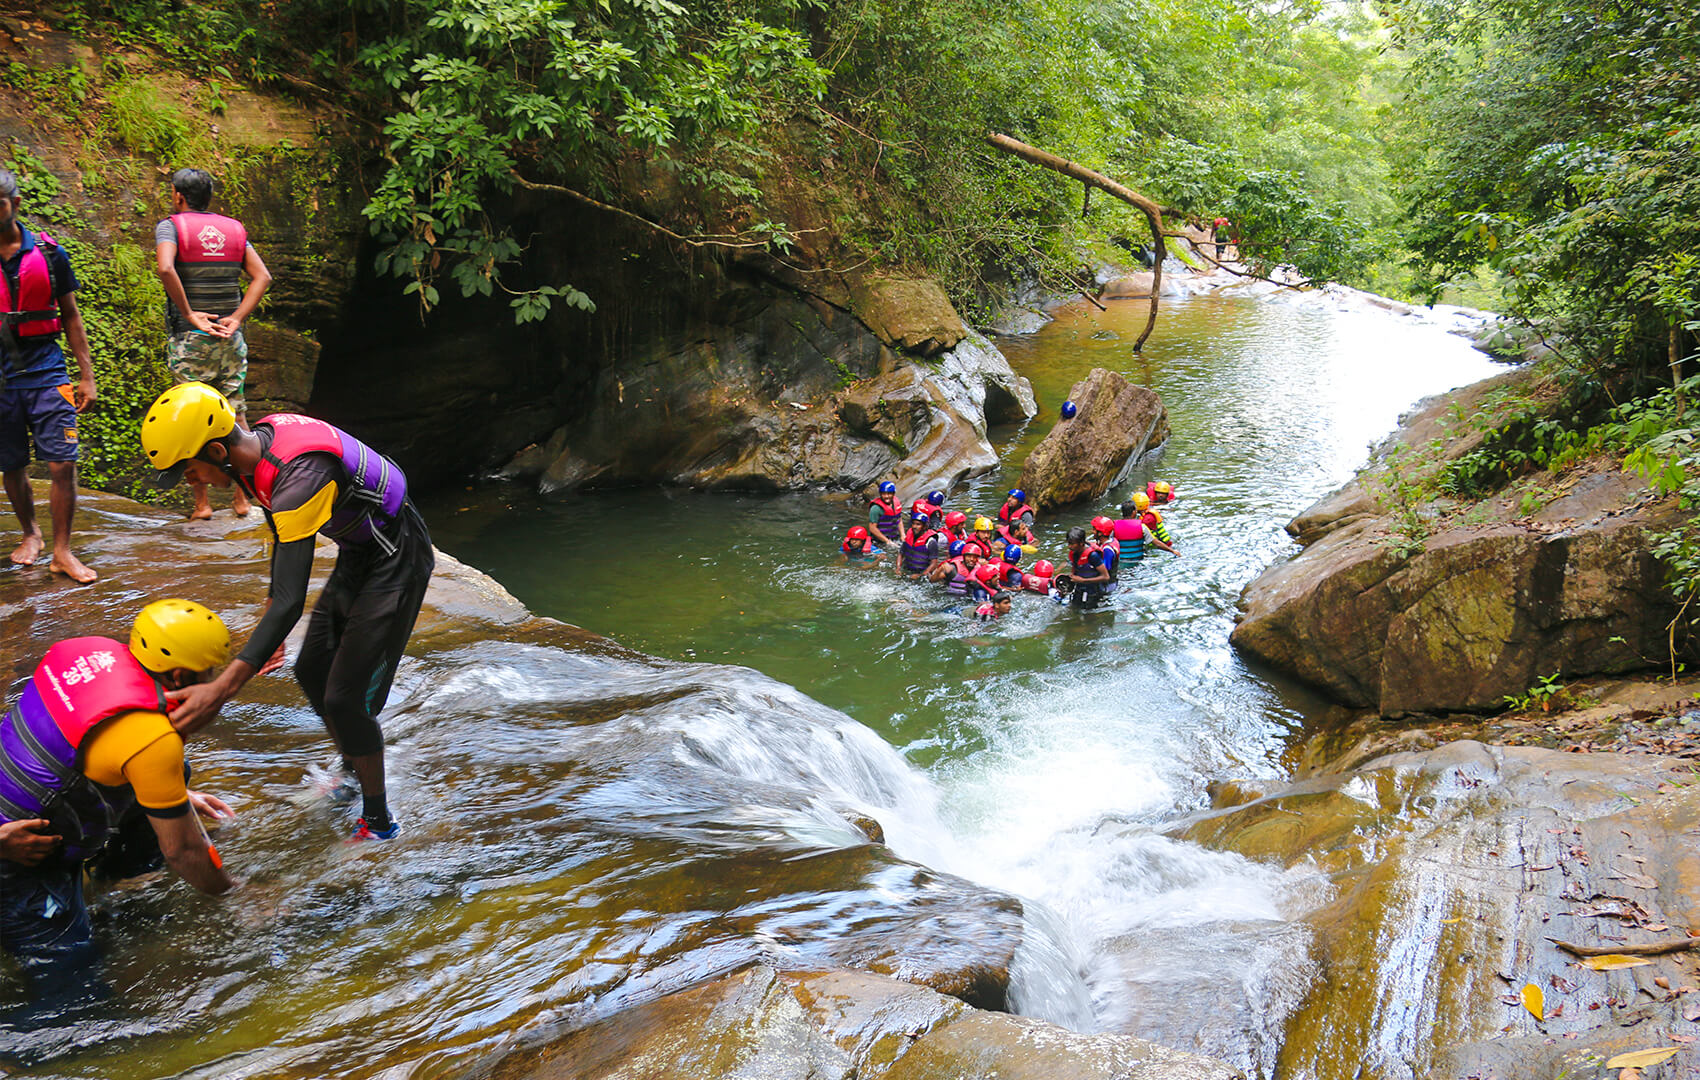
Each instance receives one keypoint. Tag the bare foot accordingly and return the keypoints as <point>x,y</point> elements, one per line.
<point>68,564</point>
<point>202,512</point>
<point>28,550</point>
<point>239,504</point>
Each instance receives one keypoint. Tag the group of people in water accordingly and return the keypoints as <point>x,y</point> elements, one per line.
<point>93,776</point>
<point>981,561</point>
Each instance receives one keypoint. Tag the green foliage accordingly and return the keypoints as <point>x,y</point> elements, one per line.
<point>148,123</point>
<point>1543,695</point>
<point>489,93</point>
<point>1553,140</point>
<point>1400,490</point>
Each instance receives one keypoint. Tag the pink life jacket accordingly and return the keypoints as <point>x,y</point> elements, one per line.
<point>209,238</point>
<point>1129,529</point>
<point>375,490</point>
<point>79,684</point>
<point>29,302</point>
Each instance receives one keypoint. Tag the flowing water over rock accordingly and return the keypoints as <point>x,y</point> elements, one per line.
<point>588,826</point>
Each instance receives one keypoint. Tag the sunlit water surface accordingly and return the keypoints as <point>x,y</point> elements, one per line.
<point>552,864</point>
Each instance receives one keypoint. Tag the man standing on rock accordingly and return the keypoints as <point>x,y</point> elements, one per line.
<point>201,257</point>
<point>38,403</point>
<point>311,478</point>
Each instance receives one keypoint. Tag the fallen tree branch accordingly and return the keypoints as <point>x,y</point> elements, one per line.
<point>1652,948</point>
<point>1153,212</point>
<point>723,240</point>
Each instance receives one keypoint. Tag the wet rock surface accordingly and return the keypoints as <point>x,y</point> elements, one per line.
<point>1482,610</point>
<point>582,820</point>
<point>1084,457</point>
<point>812,1025</point>
<point>1455,868</point>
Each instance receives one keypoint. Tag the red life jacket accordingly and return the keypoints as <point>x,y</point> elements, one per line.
<point>79,684</point>
<point>1007,516</point>
<point>29,300</point>
<point>375,490</point>
<point>209,238</point>
<point>89,679</point>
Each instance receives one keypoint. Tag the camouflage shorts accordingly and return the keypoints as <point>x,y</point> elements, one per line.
<point>221,363</point>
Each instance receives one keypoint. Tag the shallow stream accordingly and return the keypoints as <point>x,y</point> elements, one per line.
<point>585,826</point>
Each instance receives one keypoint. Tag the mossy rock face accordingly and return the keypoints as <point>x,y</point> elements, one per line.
<point>1452,869</point>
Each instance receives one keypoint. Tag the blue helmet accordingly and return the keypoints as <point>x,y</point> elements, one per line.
<point>1012,554</point>
<point>956,547</point>
<point>1069,409</point>
<point>1018,495</point>
<point>936,498</point>
<point>887,488</point>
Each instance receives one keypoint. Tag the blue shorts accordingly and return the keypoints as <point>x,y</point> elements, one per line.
<point>46,417</point>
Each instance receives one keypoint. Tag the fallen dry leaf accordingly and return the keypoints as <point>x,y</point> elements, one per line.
<point>1613,961</point>
<point>1661,982</point>
<point>1640,881</point>
<point>1533,1000</point>
<point>1637,1059</point>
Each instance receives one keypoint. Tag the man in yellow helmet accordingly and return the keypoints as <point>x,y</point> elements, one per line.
<point>310,478</point>
<point>86,752</point>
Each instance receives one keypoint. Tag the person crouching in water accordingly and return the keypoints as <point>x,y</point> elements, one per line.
<point>86,754</point>
<point>957,574</point>
<point>1039,580</point>
<point>1160,492</point>
<point>885,517</point>
<point>858,547</point>
<point>1087,572</point>
<point>995,608</point>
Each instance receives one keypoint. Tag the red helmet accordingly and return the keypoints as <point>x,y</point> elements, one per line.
<point>987,573</point>
<point>977,548</point>
<point>955,519</point>
<point>1043,568</point>
<point>1103,526</point>
<point>856,532</point>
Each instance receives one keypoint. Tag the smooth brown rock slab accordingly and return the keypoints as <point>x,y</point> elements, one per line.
<point>1478,614</point>
<point>837,1025</point>
<point>1084,457</point>
<point>1452,869</point>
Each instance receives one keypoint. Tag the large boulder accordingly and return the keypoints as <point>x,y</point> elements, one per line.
<point>1478,614</point>
<point>1454,870</point>
<point>774,417</point>
<point>909,314</point>
<point>1084,457</point>
<point>834,1025</point>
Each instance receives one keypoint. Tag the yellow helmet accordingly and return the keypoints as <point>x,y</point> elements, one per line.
<point>1141,501</point>
<point>180,422</point>
<point>172,634</point>
<point>982,524</point>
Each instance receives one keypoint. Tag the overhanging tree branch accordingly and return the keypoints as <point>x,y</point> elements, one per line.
<point>1153,212</point>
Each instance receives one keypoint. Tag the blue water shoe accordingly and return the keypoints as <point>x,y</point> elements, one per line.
<point>363,831</point>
